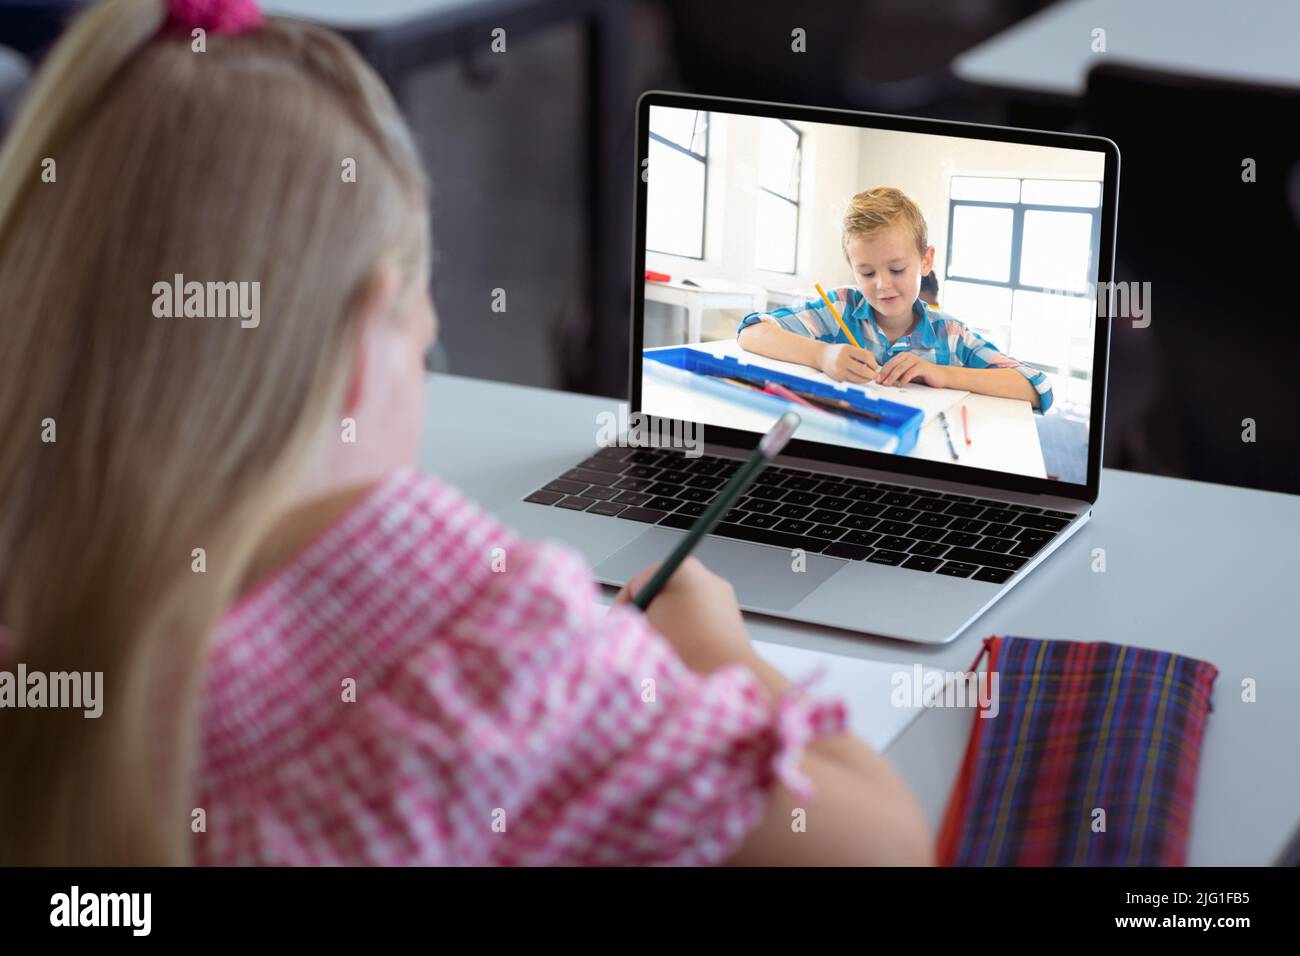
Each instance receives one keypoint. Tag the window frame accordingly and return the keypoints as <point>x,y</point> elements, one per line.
<point>797,201</point>
<point>700,157</point>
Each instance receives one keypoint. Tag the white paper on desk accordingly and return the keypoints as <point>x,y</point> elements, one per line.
<point>930,400</point>
<point>865,686</point>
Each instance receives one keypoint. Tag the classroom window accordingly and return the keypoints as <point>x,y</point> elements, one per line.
<point>678,181</point>
<point>1021,258</point>
<point>776,232</point>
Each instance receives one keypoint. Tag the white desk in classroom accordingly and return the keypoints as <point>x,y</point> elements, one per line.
<point>1003,434</point>
<point>699,298</point>
<point>1051,52</point>
<point>1192,568</point>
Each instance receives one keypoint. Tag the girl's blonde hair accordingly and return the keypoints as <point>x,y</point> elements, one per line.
<point>875,209</point>
<point>132,440</point>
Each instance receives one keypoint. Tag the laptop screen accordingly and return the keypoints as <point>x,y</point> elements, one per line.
<point>911,294</point>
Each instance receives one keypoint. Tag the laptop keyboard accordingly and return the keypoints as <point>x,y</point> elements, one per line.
<point>852,518</point>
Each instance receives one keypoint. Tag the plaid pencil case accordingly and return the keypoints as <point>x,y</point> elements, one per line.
<point>1089,757</point>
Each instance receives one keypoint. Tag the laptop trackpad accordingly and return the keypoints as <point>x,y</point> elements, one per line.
<point>764,578</point>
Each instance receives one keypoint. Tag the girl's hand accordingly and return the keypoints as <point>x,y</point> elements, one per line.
<point>697,612</point>
<point>848,363</point>
<point>907,367</point>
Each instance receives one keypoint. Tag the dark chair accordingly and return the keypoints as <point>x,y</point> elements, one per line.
<point>1221,257</point>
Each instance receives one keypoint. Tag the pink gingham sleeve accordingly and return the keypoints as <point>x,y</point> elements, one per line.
<point>502,715</point>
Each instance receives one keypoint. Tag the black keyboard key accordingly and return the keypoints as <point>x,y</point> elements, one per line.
<point>900,514</point>
<point>663,503</point>
<point>794,526</point>
<point>696,494</point>
<point>648,515</point>
<point>929,549</point>
<point>931,520</point>
<point>759,505</point>
<point>956,569</point>
<point>632,498</point>
<point>881,484</point>
<point>756,520</point>
<point>641,471</point>
<point>544,497</point>
<point>859,482</point>
<point>997,514</point>
<point>893,542</point>
<point>929,504</point>
<point>675,520</point>
<point>1059,514</point>
<point>1034,535</point>
<point>1042,522</point>
<point>824,516</point>
<point>1024,509</point>
<point>854,552</point>
<point>768,477</point>
<point>706,466</point>
<point>596,463</point>
<point>825,532</point>
<point>566,487</point>
<point>966,498</point>
<point>767,493</point>
<point>661,488</point>
<point>859,522</point>
<point>998,545</point>
<point>992,575</point>
<point>865,508</point>
<point>1001,531</point>
<point>1027,549</point>
<point>863,538</point>
<point>575,503</point>
<point>881,556</point>
<point>986,558</point>
<point>601,493</point>
<point>920,563</point>
<point>800,484</point>
<point>606,508</point>
<point>987,503</point>
<point>591,477</point>
<point>835,503</point>
<point>614,453</point>
<point>961,539</point>
<point>792,511</point>
<point>637,484</point>
<point>964,510</point>
<point>831,488</point>
<point>694,509</point>
<point>922,533</point>
<point>893,527</point>
<point>704,481</point>
<point>864,494</point>
<point>674,477</point>
<point>744,532</point>
<point>896,498</point>
<point>646,457</point>
<point>800,498</point>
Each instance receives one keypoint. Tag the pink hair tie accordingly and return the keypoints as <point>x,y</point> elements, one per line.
<point>217,16</point>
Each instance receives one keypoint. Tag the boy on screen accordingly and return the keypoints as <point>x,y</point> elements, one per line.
<point>903,339</point>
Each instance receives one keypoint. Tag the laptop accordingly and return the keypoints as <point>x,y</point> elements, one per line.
<point>906,522</point>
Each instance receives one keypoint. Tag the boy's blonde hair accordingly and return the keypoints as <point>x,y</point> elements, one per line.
<point>173,435</point>
<point>875,209</point>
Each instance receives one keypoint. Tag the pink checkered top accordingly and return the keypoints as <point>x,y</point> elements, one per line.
<point>419,686</point>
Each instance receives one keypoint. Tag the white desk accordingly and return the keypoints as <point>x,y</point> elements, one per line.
<point>1003,434</point>
<point>1196,569</point>
<point>709,294</point>
<point>1051,52</point>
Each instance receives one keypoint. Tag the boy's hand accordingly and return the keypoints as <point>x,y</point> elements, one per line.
<point>907,367</point>
<point>847,363</point>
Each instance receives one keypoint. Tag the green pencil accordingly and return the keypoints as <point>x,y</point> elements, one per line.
<point>769,446</point>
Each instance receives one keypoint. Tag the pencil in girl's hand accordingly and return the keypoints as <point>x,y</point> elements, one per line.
<point>769,446</point>
<point>835,312</point>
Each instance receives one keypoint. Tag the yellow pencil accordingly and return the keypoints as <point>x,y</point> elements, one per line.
<point>830,305</point>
